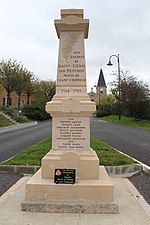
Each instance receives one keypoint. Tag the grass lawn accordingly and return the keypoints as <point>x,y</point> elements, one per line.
<point>144,124</point>
<point>33,155</point>
<point>4,122</point>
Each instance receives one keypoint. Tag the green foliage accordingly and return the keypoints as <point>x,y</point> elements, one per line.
<point>21,119</point>
<point>1,89</point>
<point>44,92</point>
<point>107,99</point>
<point>35,113</point>
<point>134,96</point>
<point>30,85</point>
<point>23,78</point>
<point>104,110</point>
<point>8,71</point>
<point>4,122</point>
<point>14,113</point>
<point>14,77</point>
<point>32,156</point>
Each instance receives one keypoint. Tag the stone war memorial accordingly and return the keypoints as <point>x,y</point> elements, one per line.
<point>70,178</point>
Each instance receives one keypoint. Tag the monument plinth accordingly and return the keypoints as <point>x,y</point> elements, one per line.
<point>71,109</point>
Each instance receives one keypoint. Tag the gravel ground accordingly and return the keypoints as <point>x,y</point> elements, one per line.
<point>140,180</point>
<point>7,180</point>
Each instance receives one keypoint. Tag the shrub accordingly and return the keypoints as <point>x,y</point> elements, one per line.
<point>105,110</point>
<point>12,112</point>
<point>35,113</point>
<point>22,119</point>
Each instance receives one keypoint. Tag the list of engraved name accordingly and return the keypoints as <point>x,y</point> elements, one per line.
<point>70,133</point>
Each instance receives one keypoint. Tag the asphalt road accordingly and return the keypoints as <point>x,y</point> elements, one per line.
<point>132,141</point>
<point>14,141</point>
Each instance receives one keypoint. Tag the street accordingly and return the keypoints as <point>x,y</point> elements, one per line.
<point>14,141</point>
<point>132,141</point>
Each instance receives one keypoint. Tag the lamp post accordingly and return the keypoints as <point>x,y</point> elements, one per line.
<point>119,79</point>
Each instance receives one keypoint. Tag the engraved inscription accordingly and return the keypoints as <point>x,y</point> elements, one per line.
<point>70,133</point>
<point>71,65</point>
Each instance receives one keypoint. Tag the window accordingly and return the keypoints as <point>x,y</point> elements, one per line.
<point>4,101</point>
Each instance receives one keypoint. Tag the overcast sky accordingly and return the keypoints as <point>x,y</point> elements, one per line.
<point>27,34</point>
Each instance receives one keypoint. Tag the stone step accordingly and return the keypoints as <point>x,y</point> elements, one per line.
<point>7,117</point>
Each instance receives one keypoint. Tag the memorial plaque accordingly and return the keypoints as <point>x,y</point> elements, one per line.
<point>64,176</point>
<point>71,133</point>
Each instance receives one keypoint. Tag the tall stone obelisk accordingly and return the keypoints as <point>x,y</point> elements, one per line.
<point>71,109</point>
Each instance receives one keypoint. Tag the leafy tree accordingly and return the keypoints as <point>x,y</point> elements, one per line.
<point>106,105</point>
<point>44,92</point>
<point>30,84</point>
<point>8,71</point>
<point>1,89</point>
<point>134,95</point>
<point>107,99</point>
<point>20,83</point>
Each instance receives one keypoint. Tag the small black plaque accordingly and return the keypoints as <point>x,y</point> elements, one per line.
<point>65,176</point>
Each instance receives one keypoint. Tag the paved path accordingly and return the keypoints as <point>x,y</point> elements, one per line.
<point>132,141</point>
<point>20,138</point>
<point>132,210</point>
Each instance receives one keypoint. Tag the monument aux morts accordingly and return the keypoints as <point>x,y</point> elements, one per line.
<point>70,178</point>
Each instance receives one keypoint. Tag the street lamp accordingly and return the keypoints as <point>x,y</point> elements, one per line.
<point>119,79</point>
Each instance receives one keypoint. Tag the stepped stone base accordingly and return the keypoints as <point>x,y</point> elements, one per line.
<point>85,196</point>
<point>45,189</point>
<point>68,206</point>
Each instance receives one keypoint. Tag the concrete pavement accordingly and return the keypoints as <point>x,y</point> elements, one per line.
<point>133,210</point>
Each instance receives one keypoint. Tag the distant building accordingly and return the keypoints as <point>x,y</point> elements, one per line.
<point>101,89</point>
<point>13,99</point>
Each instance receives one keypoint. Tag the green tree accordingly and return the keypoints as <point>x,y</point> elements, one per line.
<point>106,105</point>
<point>107,99</point>
<point>44,92</point>
<point>8,71</point>
<point>1,89</point>
<point>134,95</point>
<point>20,83</point>
<point>30,85</point>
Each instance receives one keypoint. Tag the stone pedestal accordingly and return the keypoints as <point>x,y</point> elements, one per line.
<point>71,109</point>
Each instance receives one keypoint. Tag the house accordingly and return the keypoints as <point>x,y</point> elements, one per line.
<point>13,99</point>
